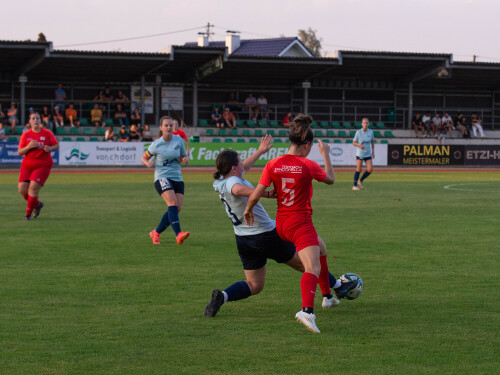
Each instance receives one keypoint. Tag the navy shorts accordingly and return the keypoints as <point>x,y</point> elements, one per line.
<point>364,159</point>
<point>165,184</point>
<point>255,250</point>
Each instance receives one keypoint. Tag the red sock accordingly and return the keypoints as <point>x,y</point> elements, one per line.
<point>32,203</point>
<point>308,285</point>
<point>25,196</point>
<point>324,277</point>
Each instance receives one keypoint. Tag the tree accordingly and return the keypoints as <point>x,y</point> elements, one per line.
<point>311,41</point>
<point>41,37</point>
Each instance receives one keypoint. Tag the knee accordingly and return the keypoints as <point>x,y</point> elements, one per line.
<point>255,286</point>
<point>369,170</point>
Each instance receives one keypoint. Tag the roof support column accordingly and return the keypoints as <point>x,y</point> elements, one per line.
<point>306,85</point>
<point>22,80</point>
<point>143,115</point>
<point>195,103</point>
<point>410,104</point>
<point>493,110</point>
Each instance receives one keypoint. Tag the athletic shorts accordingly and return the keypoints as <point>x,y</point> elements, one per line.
<point>297,229</point>
<point>364,159</point>
<point>256,249</point>
<point>38,174</point>
<point>164,184</point>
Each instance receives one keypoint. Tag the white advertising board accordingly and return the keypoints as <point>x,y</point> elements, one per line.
<point>135,97</point>
<point>172,98</point>
<point>101,153</point>
<point>345,154</point>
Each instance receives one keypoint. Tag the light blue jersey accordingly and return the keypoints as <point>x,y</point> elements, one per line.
<point>235,207</point>
<point>167,157</point>
<point>364,138</point>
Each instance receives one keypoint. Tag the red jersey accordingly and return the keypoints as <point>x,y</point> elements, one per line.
<point>292,179</point>
<point>181,134</point>
<point>37,155</point>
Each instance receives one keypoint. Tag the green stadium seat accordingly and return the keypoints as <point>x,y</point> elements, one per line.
<point>203,123</point>
<point>314,125</point>
<point>100,131</point>
<point>88,130</point>
<point>19,129</point>
<point>109,122</point>
<point>215,140</point>
<point>318,133</point>
<point>209,132</point>
<point>326,140</point>
<point>66,139</point>
<point>324,124</point>
<point>73,131</point>
<point>84,121</point>
<point>263,123</point>
<point>228,140</point>
<point>330,133</point>
<point>273,124</point>
<point>346,125</point>
<point>348,141</point>
<point>336,125</point>
<point>60,131</point>
<point>388,134</point>
<point>233,132</point>
<point>282,133</point>
<point>271,132</point>
<point>259,133</point>
<point>94,139</point>
<point>278,140</point>
<point>12,139</point>
<point>222,132</point>
<point>241,140</point>
<point>377,134</point>
<point>80,139</point>
<point>357,125</point>
<point>380,125</point>
<point>251,124</point>
<point>352,133</point>
<point>246,133</point>
<point>384,141</point>
<point>253,140</point>
<point>336,140</point>
<point>342,133</point>
<point>315,140</point>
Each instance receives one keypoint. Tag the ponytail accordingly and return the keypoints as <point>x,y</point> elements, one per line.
<point>300,130</point>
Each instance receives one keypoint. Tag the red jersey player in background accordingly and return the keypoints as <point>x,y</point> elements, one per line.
<point>292,176</point>
<point>181,133</point>
<point>36,145</point>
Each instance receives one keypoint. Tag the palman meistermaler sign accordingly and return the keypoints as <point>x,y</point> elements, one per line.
<point>426,155</point>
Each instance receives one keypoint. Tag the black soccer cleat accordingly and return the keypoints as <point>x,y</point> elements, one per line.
<point>27,218</point>
<point>37,209</point>
<point>215,303</point>
<point>344,288</point>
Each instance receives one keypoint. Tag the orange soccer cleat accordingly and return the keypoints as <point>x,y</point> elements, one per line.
<point>155,236</point>
<point>181,237</point>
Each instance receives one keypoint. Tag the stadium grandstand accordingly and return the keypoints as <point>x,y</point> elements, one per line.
<point>189,81</point>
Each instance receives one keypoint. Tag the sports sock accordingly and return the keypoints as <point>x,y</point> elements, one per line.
<point>334,283</point>
<point>308,284</point>
<point>173,218</point>
<point>164,223</point>
<point>356,178</point>
<point>237,291</point>
<point>225,296</point>
<point>32,203</point>
<point>324,282</point>
<point>365,175</point>
<point>25,196</point>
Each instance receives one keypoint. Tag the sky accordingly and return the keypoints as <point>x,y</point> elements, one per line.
<point>461,27</point>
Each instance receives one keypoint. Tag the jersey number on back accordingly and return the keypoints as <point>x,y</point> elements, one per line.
<point>289,196</point>
<point>234,219</point>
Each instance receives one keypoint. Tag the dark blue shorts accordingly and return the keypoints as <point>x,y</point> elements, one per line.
<point>255,250</point>
<point>364,159</point>
<point>165,184</point>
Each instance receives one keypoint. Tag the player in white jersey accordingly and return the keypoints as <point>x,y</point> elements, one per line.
<point>364,140</point>
<point>255,243</point>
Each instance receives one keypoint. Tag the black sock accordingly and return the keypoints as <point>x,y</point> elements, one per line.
<point>329,295</point>
<point>308,310</point>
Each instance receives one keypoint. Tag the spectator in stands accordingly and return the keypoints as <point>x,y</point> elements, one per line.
<point>96,116</point>
<point>436,124</point>
<point>72,116</point>
<point>121,97</point>
<point>263,107</point>
<point>232,103</point>
<point>58,117</point>
<point>133,135</point>
<point>99,97</point>
<point>3,117</point>
<point>217,118</point>
<point>288,119</point>
<point>12,116</point>
<point>46,117</point>
<point>123,135</point>
<point>135,117</point>
<point>251,107</point>
<point>448,122</point>
<point>442,129</point>
<point>426,123</point>
<point>60,96</point>
<point>107,97</point>
<point>460,123</point>
<point>147,135</point>
<point>3,137</point>
<point>121,117</point>
<point>181,133</point>
<point>229,118</point>
<point>477,124</point>
<point>417,125</point>
<point>109,135</point>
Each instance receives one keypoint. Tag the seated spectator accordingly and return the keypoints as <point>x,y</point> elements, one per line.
<point>107,97</point>
<point>417,125</point>
<point>442,129</point>
<point>135,116</point>
<point>217,118</point>
<point>180,133</point>
<point>147,136</point>
<point>251,107</point>
<point>436,124</point>
<point>60,96</point>
<point>72,116</point>
<point>121,117</point>
<point>426,123</point>
<point>57,117</point>
<point>460,123</point>
<point>477,124</point>
<point>263,107</point>
<point>133,135</point>
<point>96,116</point>
<point>448,122</point>
<point>99,97</point>
<point>121,97</point>
<point>12,116</point>
<point>3,137</point>
<point>123,135</point>
<point>3,117</point>
<point>109,135</point>
<point>46,118</point>
<point>287,119</point>
<point>232,103</point>
<point>229,118</point>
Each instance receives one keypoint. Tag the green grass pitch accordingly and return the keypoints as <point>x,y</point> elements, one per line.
<point>84,291</point>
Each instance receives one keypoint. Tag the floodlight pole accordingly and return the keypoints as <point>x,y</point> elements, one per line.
<point>22,80</point>
<point>410,104</point>
<point>143,115</point>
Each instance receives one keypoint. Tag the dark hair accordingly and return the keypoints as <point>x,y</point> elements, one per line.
<point>226,160</point>
<point>300,130</point>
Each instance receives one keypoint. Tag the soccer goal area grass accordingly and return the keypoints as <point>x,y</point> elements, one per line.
<point>84,291</point>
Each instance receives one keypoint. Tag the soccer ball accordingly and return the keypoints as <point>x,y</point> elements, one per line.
<point>354,283</point>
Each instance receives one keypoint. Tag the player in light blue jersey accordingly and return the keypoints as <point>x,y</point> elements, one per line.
<point>365,141</point>
<point>255,243</point>
<point>168,152</point>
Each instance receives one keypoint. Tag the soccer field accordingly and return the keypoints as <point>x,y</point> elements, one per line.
<point>84,291</point>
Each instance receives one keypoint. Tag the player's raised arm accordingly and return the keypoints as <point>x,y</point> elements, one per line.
<point>265,146</point>
<point>324,150</point>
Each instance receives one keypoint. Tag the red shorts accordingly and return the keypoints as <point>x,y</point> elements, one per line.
<point>297,229</point>
<point>34,173</point>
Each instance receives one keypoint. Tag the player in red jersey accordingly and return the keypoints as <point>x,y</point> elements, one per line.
<point>292,176</point>
<point>36,145</point>
<point>181,133</point>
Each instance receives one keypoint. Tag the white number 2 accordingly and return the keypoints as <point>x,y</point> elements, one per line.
<point>289,193</point>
